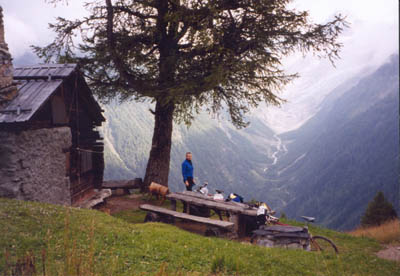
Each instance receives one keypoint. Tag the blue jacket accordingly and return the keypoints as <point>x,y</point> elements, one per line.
<point>187,170</point>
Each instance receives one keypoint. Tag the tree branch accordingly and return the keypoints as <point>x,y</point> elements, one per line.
<point>135,83</point>
<point>134,13</point>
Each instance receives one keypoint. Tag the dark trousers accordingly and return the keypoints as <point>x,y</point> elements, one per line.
<point>191,184</point>
<point>188,188</point>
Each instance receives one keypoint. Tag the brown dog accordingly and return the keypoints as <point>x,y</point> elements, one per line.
<point>158,190</point>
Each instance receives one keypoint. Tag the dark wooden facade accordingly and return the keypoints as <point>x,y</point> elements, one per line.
<point>55,95</point>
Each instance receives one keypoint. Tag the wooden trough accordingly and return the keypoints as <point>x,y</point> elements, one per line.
<point>124,185</point>
<point>282,236</point>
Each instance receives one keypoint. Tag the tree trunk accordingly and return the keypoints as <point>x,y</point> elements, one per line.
<point>158,165</point>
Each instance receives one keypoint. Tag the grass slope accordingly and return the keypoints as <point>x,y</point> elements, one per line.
<point>387,233</point>
<point>87,242</point>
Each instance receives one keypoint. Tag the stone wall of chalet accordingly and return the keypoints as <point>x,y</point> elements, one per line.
<point>33,165</point>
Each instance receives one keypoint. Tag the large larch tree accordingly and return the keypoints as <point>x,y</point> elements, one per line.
<point>186,55</point>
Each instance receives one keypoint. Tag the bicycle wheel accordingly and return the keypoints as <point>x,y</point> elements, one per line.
<point>319,243</point>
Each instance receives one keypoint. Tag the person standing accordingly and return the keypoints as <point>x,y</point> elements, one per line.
<point>187,172</point>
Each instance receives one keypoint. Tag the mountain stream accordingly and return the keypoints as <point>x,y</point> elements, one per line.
<point>280,148</point>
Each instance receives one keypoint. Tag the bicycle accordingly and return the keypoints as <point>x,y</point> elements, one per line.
<point>275,233</point>
<point>323,243</point>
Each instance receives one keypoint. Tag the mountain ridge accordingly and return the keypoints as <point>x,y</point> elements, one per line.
<point>348,130</point>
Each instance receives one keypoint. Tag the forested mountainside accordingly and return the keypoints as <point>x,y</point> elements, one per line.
<point>336,162</point>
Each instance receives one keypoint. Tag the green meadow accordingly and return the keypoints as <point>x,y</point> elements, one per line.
<point>44,239</point>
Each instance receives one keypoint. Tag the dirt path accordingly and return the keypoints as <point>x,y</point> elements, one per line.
<point>391,252</point>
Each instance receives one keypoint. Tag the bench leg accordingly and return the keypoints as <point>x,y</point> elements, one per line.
<point>239,222</point>
<point>162,200</point>
<point>173,204</point>
<point>218,212</point>
<point>152,217</point>
<point>212,232</point>
<point>188,208</point>
<point>235,219</point>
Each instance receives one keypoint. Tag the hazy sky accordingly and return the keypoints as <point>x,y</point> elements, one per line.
<point>373,36</point>
<point>373,22</point>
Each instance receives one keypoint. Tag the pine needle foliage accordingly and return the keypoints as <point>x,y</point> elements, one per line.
<point>191,53</point>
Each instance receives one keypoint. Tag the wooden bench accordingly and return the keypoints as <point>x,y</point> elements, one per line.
<point>126,185</point>
<point>225,225</point>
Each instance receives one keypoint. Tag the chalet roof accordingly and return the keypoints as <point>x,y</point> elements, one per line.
<point>31,96</point>
<point>35,86</point>
<point>42,71</point>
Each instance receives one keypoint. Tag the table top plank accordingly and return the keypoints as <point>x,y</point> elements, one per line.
<point>211,203</point>
<point>196,194</point>
<point>199,195</point>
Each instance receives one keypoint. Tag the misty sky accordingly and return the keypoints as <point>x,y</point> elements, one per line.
<point>372,38</point>
<point>373,23</point>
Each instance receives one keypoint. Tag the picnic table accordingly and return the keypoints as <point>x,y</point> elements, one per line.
<point>241,215</point>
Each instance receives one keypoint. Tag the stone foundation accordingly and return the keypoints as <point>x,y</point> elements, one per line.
<point>33,165</point>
